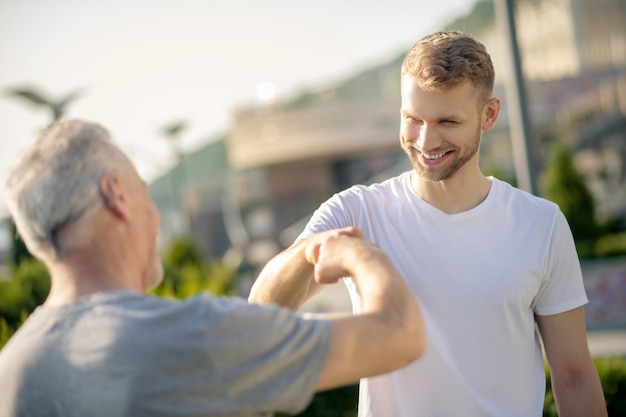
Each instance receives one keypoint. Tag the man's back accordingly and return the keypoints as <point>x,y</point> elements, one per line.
<point>123,354</point>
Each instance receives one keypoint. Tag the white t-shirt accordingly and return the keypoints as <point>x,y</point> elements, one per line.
<point>479,277</point>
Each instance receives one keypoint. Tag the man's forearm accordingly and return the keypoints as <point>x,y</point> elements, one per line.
<point>580,397</point>
<point>286,280</point>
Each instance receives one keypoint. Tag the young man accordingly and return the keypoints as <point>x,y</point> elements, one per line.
<point>100,347</point>
<point>493,268</point>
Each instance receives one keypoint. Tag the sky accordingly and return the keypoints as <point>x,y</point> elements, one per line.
<point>142,64</point>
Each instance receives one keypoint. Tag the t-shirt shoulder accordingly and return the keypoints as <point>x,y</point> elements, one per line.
<point>396,185</point>
<point>508,195</point>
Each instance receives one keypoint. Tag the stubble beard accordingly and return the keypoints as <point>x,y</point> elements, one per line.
<point>451,167</point>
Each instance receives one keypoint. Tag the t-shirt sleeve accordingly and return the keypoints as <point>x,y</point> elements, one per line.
<point>562,288</point>
<point>332,214</point>
<point>268,357</point>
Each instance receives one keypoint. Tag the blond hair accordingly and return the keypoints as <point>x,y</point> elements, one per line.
<point>446,59</point>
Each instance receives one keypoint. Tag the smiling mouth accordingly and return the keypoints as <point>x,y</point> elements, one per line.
<point>433,156</point>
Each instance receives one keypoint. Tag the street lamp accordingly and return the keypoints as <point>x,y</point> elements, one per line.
<point>520,126</point>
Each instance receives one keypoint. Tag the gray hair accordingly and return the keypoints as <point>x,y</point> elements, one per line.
<point>57,180</point>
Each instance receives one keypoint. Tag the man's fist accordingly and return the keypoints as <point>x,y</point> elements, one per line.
<point>314,242</point>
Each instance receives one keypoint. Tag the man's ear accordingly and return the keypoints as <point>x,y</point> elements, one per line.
<point>113,195</point>
<point>490,113</point>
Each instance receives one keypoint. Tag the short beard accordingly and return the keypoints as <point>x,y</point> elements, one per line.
<point>441,174</point>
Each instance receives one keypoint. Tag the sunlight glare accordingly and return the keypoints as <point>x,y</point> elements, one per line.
<point>266,91</point>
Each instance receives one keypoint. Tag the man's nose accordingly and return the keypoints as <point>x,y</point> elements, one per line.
<point>428,138</point>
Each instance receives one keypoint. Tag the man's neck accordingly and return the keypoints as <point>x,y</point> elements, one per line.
<point>74,278</point>
<point>453,195</point>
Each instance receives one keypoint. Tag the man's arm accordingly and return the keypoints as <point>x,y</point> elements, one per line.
<point>287,279</point>
<point>575,382</point>
<point>388,333</point>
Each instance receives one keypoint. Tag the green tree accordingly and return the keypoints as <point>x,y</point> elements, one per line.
<point>181,253</point>
<point>565,186</point>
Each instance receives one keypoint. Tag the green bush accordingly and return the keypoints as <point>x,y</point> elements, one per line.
<point>186,274</point>
<point>612,373</point>
<point>181,252</point>
<point>605,246</point>
<point>6,332</point>
<point>613,244</point>
<point>586,248</point>
<point>339,402</point>
<point>549,406</point>
<point>28,288</point>
<point>565,186</point>
<point>188,280</point>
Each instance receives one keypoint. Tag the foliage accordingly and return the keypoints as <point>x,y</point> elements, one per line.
<point>181,252</point>
<point>608,244</point>
<point>565,186</point>
<point>613,244</point>
<point>19,251</point>
<point>6,332</point>
<point>186,274</point>
<point>19,296</point>
<point>189,280</point>
<point>612,372</point>
<point>549,406</point>
<point>27,289</point>
<point>339,402</point>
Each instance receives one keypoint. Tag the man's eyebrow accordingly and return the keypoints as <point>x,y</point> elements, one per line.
<point>448,117</point>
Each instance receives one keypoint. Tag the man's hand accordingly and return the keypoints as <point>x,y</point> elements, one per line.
<point>325,252</point>
<point>287,279</point>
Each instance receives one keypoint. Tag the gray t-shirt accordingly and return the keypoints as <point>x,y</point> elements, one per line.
<point>125,354</point>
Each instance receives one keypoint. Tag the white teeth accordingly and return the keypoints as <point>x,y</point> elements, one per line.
<point>433,156</point>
